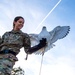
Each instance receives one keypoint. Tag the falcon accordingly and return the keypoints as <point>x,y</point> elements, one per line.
<point>57,33</point>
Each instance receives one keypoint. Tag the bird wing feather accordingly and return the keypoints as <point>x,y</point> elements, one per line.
<point>34,39</point>
<point>59,32</point>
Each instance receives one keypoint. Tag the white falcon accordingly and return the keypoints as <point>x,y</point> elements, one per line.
<point>58,32</point>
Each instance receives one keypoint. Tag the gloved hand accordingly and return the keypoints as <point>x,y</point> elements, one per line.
<point>43,42</point>
<point>37,47</point>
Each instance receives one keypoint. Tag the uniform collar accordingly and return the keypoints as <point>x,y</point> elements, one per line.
<point>16,31</point>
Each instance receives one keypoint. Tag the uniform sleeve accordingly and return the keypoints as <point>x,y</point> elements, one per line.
<point>26,42</point>
<point>0,40</point>
<point>2,43</point>
<point>3,36</point>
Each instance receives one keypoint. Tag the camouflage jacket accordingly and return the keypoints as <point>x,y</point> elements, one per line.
<point>15,40</point>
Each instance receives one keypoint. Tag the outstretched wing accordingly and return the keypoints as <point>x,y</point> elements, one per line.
<point>34,39</point>
<point>58,33</point>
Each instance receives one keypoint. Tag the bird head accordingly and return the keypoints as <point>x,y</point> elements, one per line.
<point>44,28</point>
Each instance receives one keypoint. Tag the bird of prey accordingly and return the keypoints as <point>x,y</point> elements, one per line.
<point>57,33</point>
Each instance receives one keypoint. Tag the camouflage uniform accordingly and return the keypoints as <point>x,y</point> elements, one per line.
<point>12,41</point>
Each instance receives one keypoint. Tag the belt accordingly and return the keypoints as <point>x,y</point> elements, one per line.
<point>8,51</point>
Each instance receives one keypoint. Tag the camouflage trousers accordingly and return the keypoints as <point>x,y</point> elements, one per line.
<point>7,61</point>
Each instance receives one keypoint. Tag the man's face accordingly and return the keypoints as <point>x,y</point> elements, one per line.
<point>19,24</point>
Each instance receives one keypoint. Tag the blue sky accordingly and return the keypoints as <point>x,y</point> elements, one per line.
<point>60,60</point>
